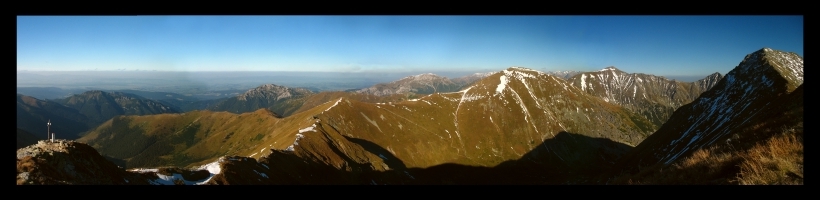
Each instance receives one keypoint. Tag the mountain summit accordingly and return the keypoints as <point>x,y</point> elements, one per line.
<point>279,99</point>
<point>427,83</point>
<point>610,68</point>
<point>272,92</point>
<point>65,162</point>
<point>756,93</point>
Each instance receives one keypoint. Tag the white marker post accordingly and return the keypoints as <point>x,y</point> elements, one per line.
<point>49,128</point>
<point>52,137</point>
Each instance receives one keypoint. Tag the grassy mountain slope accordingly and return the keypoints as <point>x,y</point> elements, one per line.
<point>481,126</point>
<point>496,120</point>
<point>178,139</point>
<point>324,97</point>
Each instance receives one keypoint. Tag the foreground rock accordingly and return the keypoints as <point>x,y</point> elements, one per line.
<point>65,162</point>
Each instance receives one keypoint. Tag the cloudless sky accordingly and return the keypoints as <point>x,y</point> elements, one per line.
<point>661,45</point>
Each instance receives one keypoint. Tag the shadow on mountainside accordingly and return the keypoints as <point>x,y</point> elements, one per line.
<point>567,158</point>
<point>392,161</point>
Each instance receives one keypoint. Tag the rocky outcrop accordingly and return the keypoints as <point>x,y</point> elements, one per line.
<point>65,162</point>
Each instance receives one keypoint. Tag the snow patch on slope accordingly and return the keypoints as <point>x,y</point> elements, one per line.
<point>583,82</point>
<point>300,136</point>
<point>308,129</point>
<point>261,174</point>
<point>334,105</point>
<point>502,85</point>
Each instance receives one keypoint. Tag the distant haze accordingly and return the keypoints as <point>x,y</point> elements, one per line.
<point>193,82</point>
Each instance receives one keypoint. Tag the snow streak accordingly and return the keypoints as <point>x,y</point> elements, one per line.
<point>334,105</point>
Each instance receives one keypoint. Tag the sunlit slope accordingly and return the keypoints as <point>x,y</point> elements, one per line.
<point>286,101</point>
<point>328,96</point>
<point>178,139</point>
<point>193,137</point>
<point>499,118</point>
<point>496,119</point>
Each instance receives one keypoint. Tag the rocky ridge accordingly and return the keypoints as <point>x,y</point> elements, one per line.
<point>653,97</point>
<point>427,83</point>
<point>747,95</point>
<point>100,106</point>
<point>280,99</point>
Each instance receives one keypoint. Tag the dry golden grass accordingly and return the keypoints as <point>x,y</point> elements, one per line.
<point>703,167</point>
<point>778,161</point>
<point>774,161</point>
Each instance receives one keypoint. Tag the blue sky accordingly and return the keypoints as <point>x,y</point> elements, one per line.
<point>661,45</point>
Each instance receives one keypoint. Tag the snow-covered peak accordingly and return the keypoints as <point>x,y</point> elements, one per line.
<point>485,74</point>
<point>425,74</point>
<point>610,68</point>
<point>788,64</point>
<point>523,69</point>
<point>515,73</point>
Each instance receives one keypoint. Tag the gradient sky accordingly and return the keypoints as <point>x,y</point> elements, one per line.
<point>661,45</point>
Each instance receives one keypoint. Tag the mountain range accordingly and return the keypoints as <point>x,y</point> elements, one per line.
<point>515,126</point>
<point>490,118</point>
<point>73,116</point>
